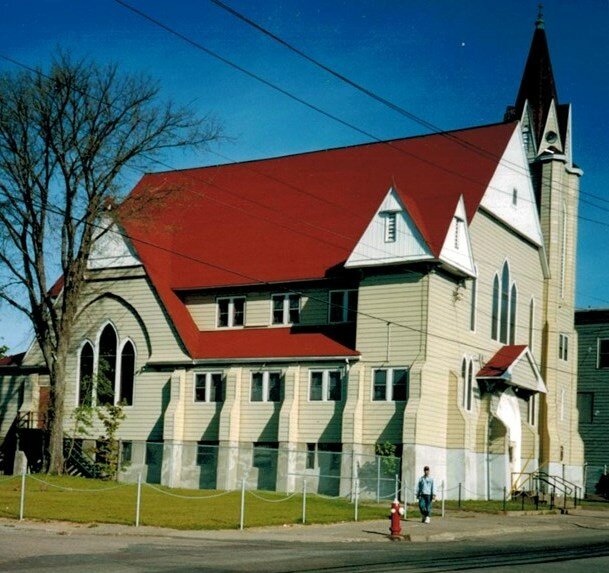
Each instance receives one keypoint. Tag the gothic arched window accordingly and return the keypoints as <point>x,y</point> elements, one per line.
<point>127,374</point>
<point>505,303</point>
<point>495,315</point>
<point>85,375</point>
<point>106,366</point>
<point>513,306</point>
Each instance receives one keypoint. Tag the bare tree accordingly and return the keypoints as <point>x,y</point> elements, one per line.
<point>65,136</point>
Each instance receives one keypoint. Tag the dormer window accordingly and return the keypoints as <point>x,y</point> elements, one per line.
<point>286,308</point>
<point>390,227</point>
<point>231,311</point>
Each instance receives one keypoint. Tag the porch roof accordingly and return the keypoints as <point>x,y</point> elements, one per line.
<point>514,365</point>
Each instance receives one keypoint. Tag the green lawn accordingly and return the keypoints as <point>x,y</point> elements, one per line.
<point>95,501</point>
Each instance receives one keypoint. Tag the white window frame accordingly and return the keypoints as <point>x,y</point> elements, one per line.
<point>325,384</point>
<point>346,295</point>
<point>532,410</point>
<point>78,373</point>
<point>231,311</point>
<point>286,308</point>
<point>473,310</point>
<point>598,354</point>
<point>265,386</point>
<point>119,371</point>
<point>467,378</point>
<point>563,347</point>
<point>96,354</point>
<point>208,380</point>
<point>389,384</point>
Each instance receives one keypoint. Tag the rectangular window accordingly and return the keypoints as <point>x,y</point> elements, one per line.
<point>266,386</point>
<point>209,387</point>
<point>343,306</point>
<point>585,406</point>
<point>286,308</point>
<point>390,384</point>
<point>532,409</point>
<point>325,386</point>
<point>207,453</point>
<point>231,312</point>
<point>310,464</point>
<point>603,353</point>
<point>126,452</point>
<point>390,227</point>
<point>563,347</point>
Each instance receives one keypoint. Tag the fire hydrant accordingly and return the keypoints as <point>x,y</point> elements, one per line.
<point>397,511</point>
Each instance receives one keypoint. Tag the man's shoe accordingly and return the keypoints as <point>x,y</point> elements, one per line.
<point>427,520</point>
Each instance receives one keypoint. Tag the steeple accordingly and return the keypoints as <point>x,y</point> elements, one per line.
<point>537,85</point>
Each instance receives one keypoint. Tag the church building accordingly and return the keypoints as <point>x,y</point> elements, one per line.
<point>285,319</point>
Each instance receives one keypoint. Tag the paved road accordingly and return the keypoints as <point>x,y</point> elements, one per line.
<point>64,549</point>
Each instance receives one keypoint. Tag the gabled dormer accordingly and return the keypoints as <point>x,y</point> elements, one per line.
<point>456,251</point>
<point>391,237</point>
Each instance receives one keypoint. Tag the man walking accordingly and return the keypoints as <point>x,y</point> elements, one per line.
<point>425,495</point>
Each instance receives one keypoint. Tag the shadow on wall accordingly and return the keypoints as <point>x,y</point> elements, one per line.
<point>154,444</point>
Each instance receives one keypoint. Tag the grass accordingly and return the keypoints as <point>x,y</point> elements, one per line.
<point>82,500</point>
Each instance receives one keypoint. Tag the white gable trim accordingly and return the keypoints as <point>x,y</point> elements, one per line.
<point>111,248</point>
<point>510,196</point>
<point>457,249</point>
<point>373,248</point>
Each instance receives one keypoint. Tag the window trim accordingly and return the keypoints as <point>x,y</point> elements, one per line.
<point>208,374</point>
<point>346,295</point>
<point>231,311</point>
<point>325,384</point>
<point>285,308</point>
<point>598,354</point>
<point>391,226</point>
<point>389,384</point>
<point>97,359</point>
<point>78,371</point>
<point>265,386</point>
<point>119,373</point>
<point>563,347</point>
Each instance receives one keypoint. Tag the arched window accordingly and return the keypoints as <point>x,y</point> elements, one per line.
<point>513,306</point>
<point>495,315</point>
<point>106,366</point>
<point>127,374</point>
<point>505,303</point>
<point>563,251</point>
<point>470,384</point>
<point>85,375</point>
<point>474,301</point>
<point>531,323</point>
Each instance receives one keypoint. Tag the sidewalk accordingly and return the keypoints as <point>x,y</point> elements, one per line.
<point>454,526</point>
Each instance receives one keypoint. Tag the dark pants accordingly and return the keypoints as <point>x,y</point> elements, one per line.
<point>425,504</point>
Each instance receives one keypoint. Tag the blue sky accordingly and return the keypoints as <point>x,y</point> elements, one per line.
<point>453,64</point>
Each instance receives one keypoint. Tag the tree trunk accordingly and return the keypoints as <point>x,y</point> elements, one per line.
<point>57,380</point>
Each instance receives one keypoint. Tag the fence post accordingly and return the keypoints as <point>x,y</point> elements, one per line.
<point>304,501</point>
<point>242,504</point>
<point>378,479</point>
<point>138,503</point>
<point>22,497</point>
<point>356,497</point>
<point>504,498</point>
<point>442,498</point>
<point>459,495</point>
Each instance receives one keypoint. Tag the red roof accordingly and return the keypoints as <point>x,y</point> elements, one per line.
<point>14,360</point>
<point>270,343</point>
<point>297,217</point>
<point>497,366</point>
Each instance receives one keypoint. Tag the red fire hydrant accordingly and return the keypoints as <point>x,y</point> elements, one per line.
<point>396,514</point>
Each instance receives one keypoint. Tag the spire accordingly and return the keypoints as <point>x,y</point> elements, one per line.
<point>537,85</point>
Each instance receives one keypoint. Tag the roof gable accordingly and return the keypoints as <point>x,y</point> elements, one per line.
<point>514,365</point>
<point>457,248</point>
<point>375,248</point>
<point>510,196</point>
